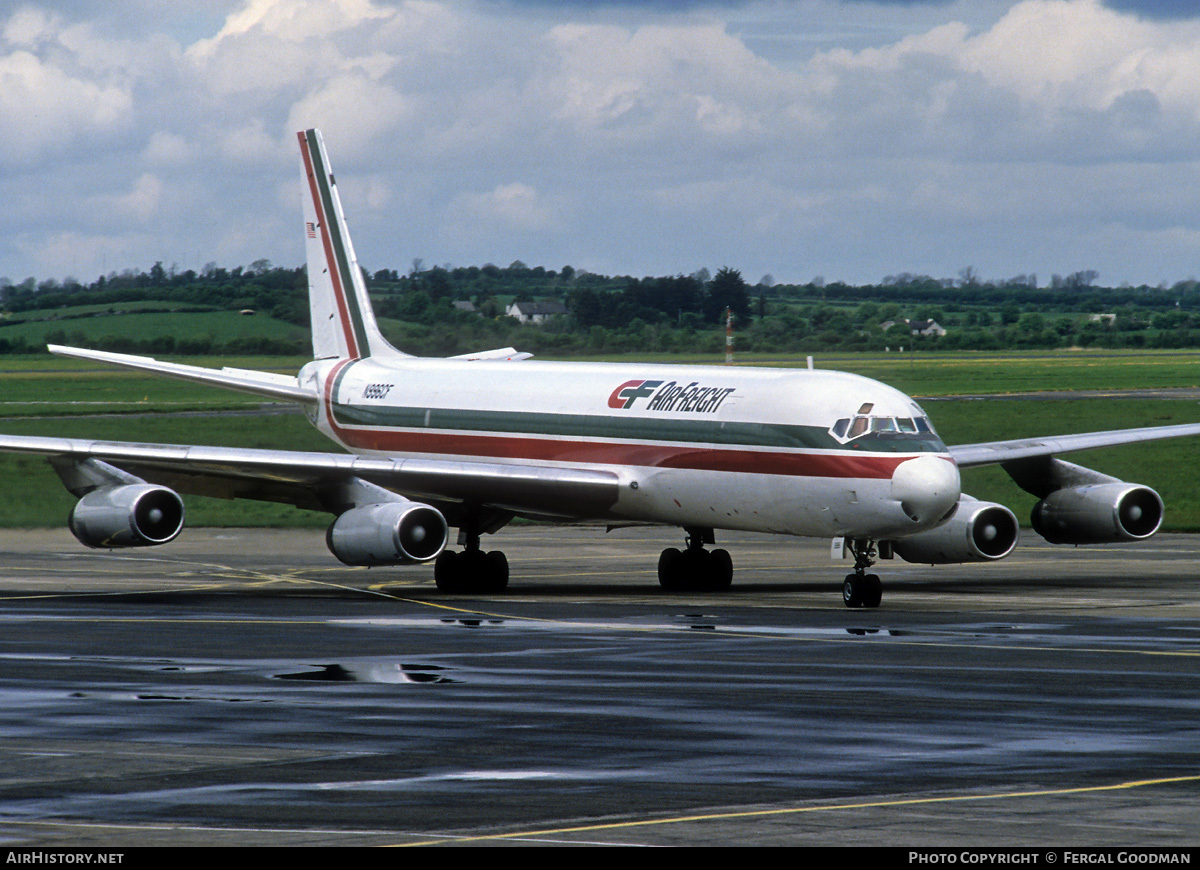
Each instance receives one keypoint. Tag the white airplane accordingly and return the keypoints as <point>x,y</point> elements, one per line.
<point>475,440</point>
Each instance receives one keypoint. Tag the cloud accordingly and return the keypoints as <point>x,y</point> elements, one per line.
<point>637,137</point>
<point>140,203</point>
<point>47,109</point>
<point>354,109</point>
<point>511,207</point>
<point>658,80</point>
<point>1165,10</point>
<point>296,21</point>
<point>167,149</point>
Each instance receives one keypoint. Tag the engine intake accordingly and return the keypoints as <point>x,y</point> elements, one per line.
<point>1098,514</point>
<point>978,531</point>
<point>389,533</point>
<point>130,515</point>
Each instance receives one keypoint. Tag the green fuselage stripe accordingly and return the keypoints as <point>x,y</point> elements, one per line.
<point>776,435</point>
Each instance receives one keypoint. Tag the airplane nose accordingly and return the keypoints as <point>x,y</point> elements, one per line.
<point>927,487</point>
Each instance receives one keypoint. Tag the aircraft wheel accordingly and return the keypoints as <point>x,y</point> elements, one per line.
<point>720,570</point>
<point>695,569</point>
<point>670,569</point>
<point>471,571</point>
<point>497,571</point>
<point>446,572</point>
<point>852,593</point>
<point>872,590</point>
<point>696,572</point>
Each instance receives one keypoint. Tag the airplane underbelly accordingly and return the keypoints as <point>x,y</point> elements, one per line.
<point>803,506</point>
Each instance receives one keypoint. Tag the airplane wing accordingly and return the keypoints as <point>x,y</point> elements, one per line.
<point>314,480</point>
<point>996,452</point>
<point>265,384</point>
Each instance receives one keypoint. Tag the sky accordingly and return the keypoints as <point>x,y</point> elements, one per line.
<point>847,140</point>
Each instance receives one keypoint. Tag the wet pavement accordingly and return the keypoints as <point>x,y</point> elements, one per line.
<point>244,687</point>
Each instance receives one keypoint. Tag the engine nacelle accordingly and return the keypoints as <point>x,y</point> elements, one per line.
<point>979,531</point>
<point>1098,514</point>
<point>128,515</point>
<point>389,533</point>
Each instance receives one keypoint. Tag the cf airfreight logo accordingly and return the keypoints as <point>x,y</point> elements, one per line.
<point>670,396</point>
<point>629,392</point>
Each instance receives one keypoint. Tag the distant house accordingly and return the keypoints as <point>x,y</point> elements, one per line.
<point>535,312</point>
<point>916,327</point>
<point>465,305</point>
<point>926,327</point>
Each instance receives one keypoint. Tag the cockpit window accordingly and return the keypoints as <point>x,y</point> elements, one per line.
<point>850,428</point>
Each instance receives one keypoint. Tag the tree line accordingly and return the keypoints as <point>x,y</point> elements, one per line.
<point>663,314</point>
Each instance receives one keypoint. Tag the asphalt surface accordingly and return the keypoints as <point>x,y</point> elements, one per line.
<point>241,687</point>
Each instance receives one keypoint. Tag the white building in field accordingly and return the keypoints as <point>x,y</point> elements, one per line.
<point>535,312</point>
<point>916,327</point>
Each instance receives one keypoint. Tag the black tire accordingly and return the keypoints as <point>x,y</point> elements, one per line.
<point>447,573</point>
<point>852,593</point>
<point>670,569</point>
<point>497,573</point>
<point>720,570</point>
<point>695,571</point>
<point>872,591</point>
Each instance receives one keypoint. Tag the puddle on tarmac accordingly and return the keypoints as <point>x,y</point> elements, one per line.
<point>372,672</point>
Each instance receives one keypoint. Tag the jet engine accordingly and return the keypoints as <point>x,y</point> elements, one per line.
<point>388,533</point>
<point>128,515</point>
<point>978,531</point>
<point>1098,514</point>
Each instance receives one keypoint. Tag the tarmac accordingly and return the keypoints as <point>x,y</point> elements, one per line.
<point>241,687</point>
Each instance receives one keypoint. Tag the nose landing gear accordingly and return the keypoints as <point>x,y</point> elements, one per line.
<point>861,589</point>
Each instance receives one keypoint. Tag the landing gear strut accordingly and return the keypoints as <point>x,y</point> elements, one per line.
<point>695,568</point>
<point>472,570</point>
<point>861,589</point>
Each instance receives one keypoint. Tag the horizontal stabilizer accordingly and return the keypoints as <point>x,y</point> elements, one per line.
<point>500,353</point>
<point>266,384</point>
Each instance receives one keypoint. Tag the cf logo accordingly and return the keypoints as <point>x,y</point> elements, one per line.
<point>625,395</point>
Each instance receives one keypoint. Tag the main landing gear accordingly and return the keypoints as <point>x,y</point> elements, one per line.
<point>861,589</point>
<point>695,568</point>
<point>472,570</point>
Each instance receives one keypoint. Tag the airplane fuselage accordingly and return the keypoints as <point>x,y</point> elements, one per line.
<point>800,452</point>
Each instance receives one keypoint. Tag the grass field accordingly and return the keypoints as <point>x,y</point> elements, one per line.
<point>52,396</point>
<point>225,325</point>
<point>958,374</point>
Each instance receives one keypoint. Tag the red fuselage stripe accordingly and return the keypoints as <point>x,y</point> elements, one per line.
<point>792,464</point>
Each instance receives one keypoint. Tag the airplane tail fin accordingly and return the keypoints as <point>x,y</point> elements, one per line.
<point>343,323</point>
